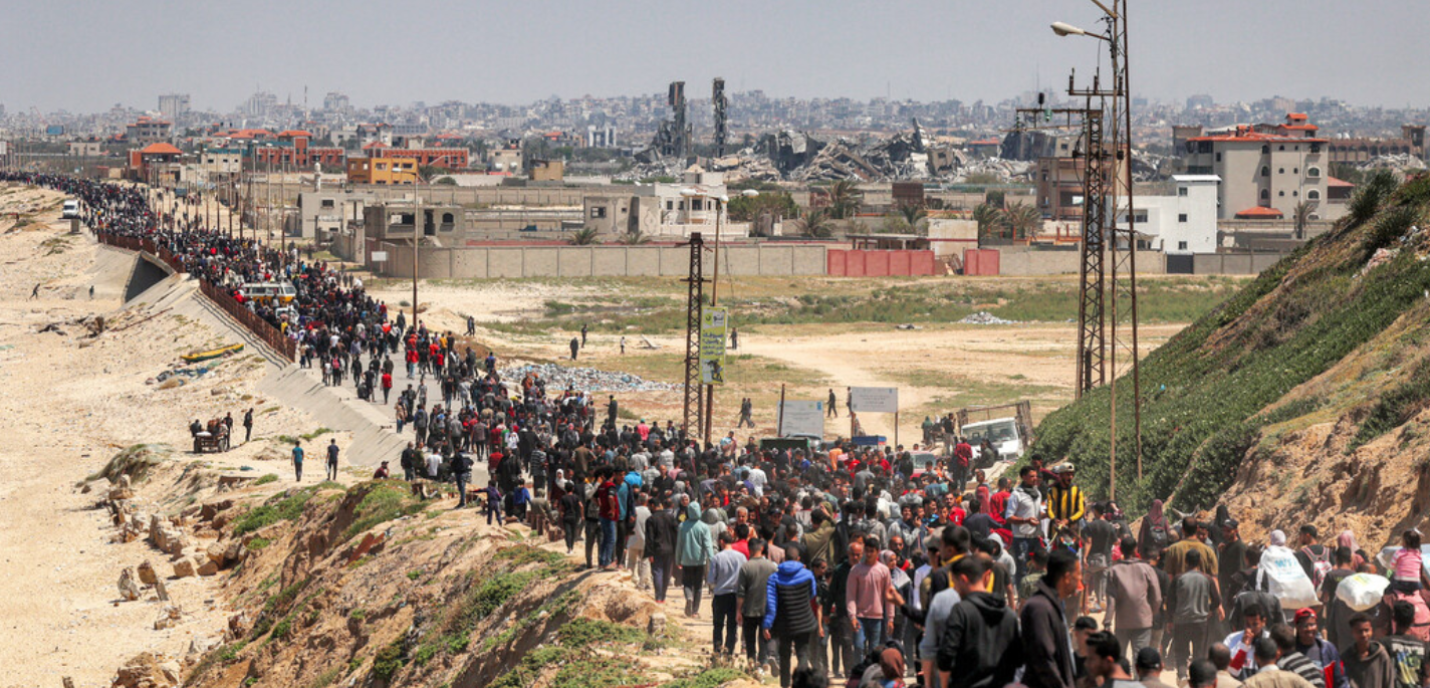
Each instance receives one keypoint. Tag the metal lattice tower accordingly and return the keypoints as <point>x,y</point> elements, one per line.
<point>694,305</point>
<point>720,102</point>
<point>1091,331</point>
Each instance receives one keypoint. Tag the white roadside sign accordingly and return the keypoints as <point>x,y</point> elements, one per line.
<point>874,399</point>
<point>802,418</point>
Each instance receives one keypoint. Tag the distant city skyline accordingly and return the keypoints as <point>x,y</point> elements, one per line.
<point>87,57</point>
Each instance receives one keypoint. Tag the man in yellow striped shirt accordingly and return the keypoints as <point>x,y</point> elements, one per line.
<point>1065,502</point>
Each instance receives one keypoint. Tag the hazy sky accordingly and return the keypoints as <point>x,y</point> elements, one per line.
<point>88,55</point>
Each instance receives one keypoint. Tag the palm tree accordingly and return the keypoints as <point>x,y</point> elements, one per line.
<point>913,215</point>
<point>1021,220</point>
<point>987,218</point>
<point>844,199</point>
<point>635,238</point>
<point>815,223</point>
<point>585,237</point>
<point>1301,215</point>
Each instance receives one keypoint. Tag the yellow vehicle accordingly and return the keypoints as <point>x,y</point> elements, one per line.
<point>281,293</point>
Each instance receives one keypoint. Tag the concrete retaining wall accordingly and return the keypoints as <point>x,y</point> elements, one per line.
<point>1233,263</point>
<point>1022,261</point>
<point>515,262</point>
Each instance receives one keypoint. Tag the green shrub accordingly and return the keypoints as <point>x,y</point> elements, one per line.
<point>1368,198</point>
<point>710,678</point>
<point>384,501</point>
<point>1390,227</point>
<point>270,478</point>
<point>389,660</point>
<point>284,506</point>
<point>583,632</point>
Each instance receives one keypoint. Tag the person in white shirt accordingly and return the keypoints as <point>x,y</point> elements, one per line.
<point>758,480</point>
<point>636,561</point>
<point>1024,513</point>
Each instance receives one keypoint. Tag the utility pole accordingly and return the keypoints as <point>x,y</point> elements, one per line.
<point>694,306</point>
<point>1109,177</point>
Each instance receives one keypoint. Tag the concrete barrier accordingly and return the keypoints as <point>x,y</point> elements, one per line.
<point>613,260</point>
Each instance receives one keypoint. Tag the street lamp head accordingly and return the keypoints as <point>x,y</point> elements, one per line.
<point>1065,29</point>
<point>749,193</point>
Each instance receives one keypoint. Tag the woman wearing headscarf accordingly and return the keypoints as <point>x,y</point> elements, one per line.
<point>1347,539</point>
<point>1153,536</point>
<point>888,673</point>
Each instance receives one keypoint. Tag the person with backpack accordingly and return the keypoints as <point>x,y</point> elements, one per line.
<point>1315,558</point>
<point>1154,531</point>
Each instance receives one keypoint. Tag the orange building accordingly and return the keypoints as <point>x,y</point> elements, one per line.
<point>382,171</point>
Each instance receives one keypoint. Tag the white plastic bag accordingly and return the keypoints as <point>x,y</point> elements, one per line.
<point>1362,590</point>
<point>1281,575</point>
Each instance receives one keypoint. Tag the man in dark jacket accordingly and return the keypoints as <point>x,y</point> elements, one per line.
<point>980,646</point>
<point>661,531</point>
<point>789,616</point>
<point>1046,653</point>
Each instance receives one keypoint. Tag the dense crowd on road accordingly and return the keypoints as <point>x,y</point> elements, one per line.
<point>843,560</point>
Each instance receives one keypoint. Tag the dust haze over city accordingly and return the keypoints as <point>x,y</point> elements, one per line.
<point>903,344</point>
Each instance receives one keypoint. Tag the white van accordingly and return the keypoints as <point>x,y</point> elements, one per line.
<point>1002,433</point>
<point>71,210</point>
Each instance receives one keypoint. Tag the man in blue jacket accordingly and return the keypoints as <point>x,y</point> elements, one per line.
<point>790,616</point>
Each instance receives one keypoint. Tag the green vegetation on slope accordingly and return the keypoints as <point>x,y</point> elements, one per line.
<point>1206,392</point>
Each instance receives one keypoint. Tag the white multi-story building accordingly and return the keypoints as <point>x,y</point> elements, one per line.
<point>1184,223</point>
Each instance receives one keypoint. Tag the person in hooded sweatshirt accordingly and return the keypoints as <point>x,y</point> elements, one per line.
<point>980,647</point>
<point>694,548</point>
<point>789,616</point>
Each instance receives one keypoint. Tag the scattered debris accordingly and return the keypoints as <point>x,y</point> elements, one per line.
<point>985,318</point>
<point>908,326</point>
<point>559,378</point>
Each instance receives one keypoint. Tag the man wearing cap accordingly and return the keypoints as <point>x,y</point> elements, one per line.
<point>1065,502</point>
<point>1149,668</point>
<point>1292,661</point>
<point>1322,653</point>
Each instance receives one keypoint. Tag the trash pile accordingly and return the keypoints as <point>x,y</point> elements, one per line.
<point>985,318</point>
<point>560,378</point>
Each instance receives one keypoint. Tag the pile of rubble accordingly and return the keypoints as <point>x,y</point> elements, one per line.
<point>790,155</point>
<point>559,378</point>
<point>985,318</point>
<point>1400,164</point>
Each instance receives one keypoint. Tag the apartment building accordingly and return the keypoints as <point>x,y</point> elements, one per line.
<point>1266,170</point>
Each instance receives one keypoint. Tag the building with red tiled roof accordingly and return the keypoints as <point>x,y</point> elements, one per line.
<point>1271,166</point>
<point>1259,213</point>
